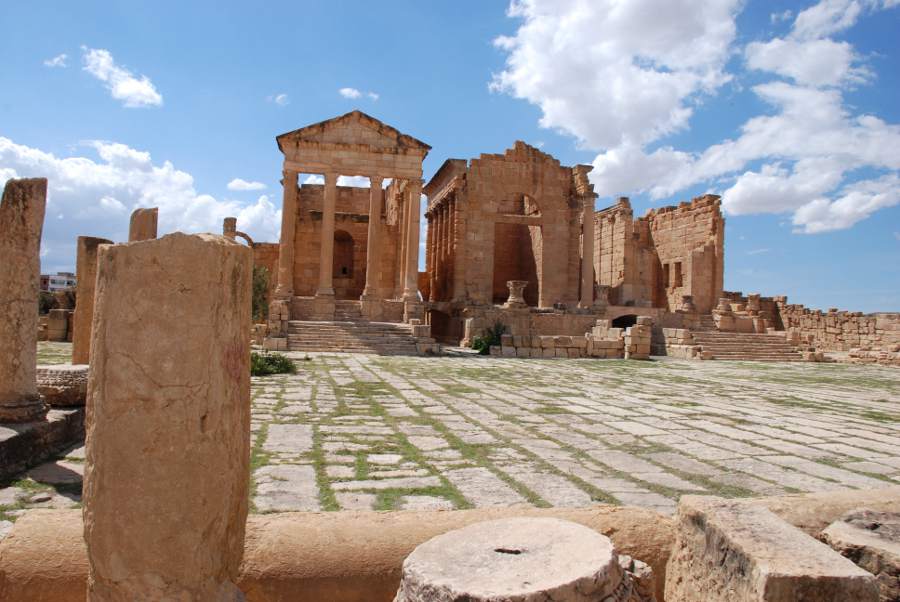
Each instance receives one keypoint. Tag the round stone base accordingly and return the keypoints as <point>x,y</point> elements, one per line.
<point>513,560</point>
<point>23,410</point>
<point>63,385</point>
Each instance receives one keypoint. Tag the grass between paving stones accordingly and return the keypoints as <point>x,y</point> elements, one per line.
<point>327,499</point>
<point>880,416</point>
<point>258,459</point>
<point>837,464</point>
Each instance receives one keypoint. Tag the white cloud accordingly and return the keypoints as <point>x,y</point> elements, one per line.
<point>758,251</point>
<point>353,93</point>
<point>281,99</point>
<point>356,181</point>
<point>240,184</point>
<point>782,16</point>
<point>621,75</point>
<point>613,72</point>
<point>133,91</point>
<point>94,196</point>
<point>58,61</point>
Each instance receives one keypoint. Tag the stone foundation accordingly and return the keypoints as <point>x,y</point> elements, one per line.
<point>63,385</point>
<point>29,444</point>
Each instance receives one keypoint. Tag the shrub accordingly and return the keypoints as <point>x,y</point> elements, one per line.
<point>265,363</point>
<point>489,338</point>
<point>260,293</point>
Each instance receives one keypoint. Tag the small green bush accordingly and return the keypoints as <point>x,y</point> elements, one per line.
<point>489,338</point>
<point>263,364</point>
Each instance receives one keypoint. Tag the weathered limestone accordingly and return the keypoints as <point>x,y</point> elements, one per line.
<point>58,324</point>
<point>143,224</point>
<point>285,287</point>
<point>21,223</point>
<point>519,560</point>
<point>731,551</point>
<point>63,385</point>
<point>168,435</point>
<point>871,540</point>
<point>516,293</point>
<point>373,249</point>
<point>326,253</point>
<point>86,276</point>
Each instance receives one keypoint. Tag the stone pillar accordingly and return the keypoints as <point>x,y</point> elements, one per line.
<point>86,277</point>
<point>143,224</point>
<point>326,255</point>
<point>229,227</point>
<point>587,253</point>
<point>414,194</point>
<point>401,250</point>
<point>437,263</point>
<point>285,287</point>
<point>21,223</point>
<point>168,420</point>
<point>373,243</point>
<point>429,256</point>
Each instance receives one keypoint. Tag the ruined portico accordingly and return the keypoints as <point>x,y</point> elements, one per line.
<point>314,217</point>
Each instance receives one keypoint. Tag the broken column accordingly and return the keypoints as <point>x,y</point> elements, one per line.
<point>85,276</point>
<point>516,293</point>
<point>168,422</point>
<point>21,223</point>
<point>732,551</point>
<point>143,224</point>
<point>229,227</point>
<point>522,559</point>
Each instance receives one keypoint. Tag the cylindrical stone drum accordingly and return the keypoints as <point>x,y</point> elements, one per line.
<point>515,560</point>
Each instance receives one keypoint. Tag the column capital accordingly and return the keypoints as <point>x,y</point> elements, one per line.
<point>330,178</point>
<point>373,179</point>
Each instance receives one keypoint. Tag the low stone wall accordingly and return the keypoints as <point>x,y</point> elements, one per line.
<point>540,346</point>
<point>31,443</point>
<point>867,356</point>
<point>836,330</point>
<point>357,556</point>
<point>334,556</point>
<point>680,343</point>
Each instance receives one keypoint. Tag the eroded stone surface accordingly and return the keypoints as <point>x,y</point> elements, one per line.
<point>729,551</point>
<point>86,276</point>
<point>513,560</point>
<point>143,224</point>
<point>169,420</point>
<point>871,540</point>
<point>21,224</point>
<point>63,385</point>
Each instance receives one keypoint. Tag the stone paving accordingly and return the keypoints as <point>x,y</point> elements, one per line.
<point>359,432</point>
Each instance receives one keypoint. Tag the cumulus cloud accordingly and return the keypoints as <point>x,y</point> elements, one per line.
<point>621,77</point>
<point>281,99</point>
<point>94,196</point>
<point>242,185</point>
<point>133,91</point>
<point>353,93</point>
<point>58,61</point>
<point>355,181</point>
<point>613,72</point>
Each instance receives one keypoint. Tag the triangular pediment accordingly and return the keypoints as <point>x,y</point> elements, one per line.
<point>353,128</point>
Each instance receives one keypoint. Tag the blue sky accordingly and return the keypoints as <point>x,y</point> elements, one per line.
<point>788,109</point>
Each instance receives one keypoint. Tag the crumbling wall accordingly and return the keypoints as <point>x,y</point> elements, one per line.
<point>836,330</point>
<point>265,254</point>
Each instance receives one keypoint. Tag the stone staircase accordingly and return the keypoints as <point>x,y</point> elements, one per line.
<point>746,346</point>
<point>356,336</point>
<point>347,311</point>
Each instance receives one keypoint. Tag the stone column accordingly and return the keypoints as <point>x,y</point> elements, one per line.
<point>143,224</point>
<point>429,255</point>
<point>437,263</point>
<point>285,287</point>
<point>229,227</point>
<point>21,223</point>
<point>373,243</point>
<point>414,194</point>
<point>86,277</point>
<point>326,255</point>
<point>168,420</point>
<point>587,253</point>
<point>401,247</point>
<point>451,248</point>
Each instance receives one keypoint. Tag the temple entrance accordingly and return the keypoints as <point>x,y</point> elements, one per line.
<point>348,284</point>
<point>515,259</point>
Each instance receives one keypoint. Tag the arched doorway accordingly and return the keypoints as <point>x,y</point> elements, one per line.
<point>624,321</point>
<point>343,274</point>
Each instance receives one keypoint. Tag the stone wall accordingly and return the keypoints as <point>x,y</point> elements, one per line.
<point>658,259</point>
<point>351,224</point>
<point>836,330</point>
<point>265,254</point>
<point>512,216</point>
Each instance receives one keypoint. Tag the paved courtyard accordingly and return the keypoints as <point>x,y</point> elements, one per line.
<point>352,432</point>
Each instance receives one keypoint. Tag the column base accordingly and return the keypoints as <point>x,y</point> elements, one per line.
<point>413,310</point>
<point>371,308</point>
<point>27,409</point>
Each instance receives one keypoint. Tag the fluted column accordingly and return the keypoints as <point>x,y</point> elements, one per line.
<point>414,196</point>
<point>285,288</point>
<point>373,243</point>
<point>587,253</point>
<point>326,256</point>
